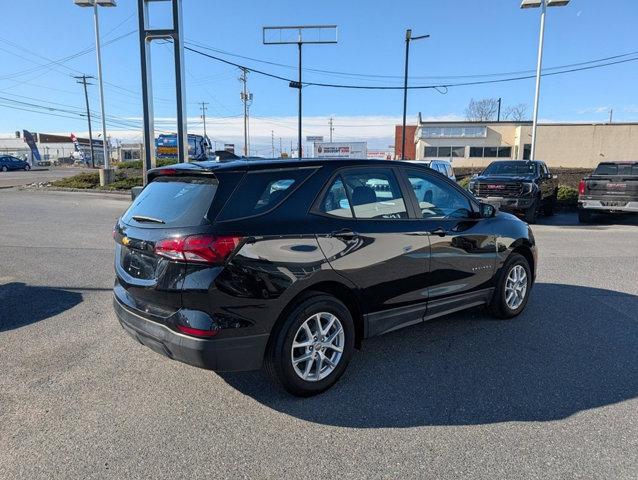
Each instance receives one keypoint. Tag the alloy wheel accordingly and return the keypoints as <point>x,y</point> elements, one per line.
<point>515,287</point>
<point>317,347</point>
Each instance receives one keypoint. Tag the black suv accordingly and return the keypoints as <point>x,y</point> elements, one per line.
<point>291,264</point>
<point>520,186</point>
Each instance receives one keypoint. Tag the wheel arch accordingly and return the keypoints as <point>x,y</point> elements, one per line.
<point>341,291</point>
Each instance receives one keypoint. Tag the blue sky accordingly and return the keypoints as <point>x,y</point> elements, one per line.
<point>468,37</point>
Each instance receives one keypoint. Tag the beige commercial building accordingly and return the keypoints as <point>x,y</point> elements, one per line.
<point>558,144</point>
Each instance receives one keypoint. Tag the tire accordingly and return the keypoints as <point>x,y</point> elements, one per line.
<point>500,306</point>
<point>4,168</point>
<point>584,216</point>
<point>531,214</point>
<point>550,206</point>
<point>280,353</point>
<point>27,168</point>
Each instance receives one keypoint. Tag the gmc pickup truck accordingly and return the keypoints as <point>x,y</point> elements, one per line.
<point>517,186</point>
<point>612,188</point>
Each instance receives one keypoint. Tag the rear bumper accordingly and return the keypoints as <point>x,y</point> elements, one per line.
<point>220,354</point>
<point>604,205</point>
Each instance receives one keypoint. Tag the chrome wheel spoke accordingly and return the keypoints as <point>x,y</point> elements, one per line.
<point>317,346</point>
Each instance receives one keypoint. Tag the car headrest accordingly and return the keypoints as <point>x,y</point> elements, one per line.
<point>363,195</point>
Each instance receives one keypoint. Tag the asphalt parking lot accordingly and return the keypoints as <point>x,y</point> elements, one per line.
<point>15,178</point>
<point>551,394</point>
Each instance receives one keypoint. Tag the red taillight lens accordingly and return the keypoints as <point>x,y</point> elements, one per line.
<point>196,331</point>
<point>167,171</point>
<point>198,248</point>
<point>581,187</point>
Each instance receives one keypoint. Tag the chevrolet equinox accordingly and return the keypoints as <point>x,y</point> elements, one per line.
<point>290,264</point>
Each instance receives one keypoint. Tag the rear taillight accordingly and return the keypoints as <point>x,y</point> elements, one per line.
<point>212,249</point>
<point>196,331</point>
<point>581,187</point>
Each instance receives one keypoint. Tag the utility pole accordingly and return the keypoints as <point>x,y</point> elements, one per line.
<point>498,114</point>
<point>331,129</point>
<point>204,108</point>
<point>281,152</point>
<point>408,39</point>
<point>82,79</point>
<point>247,99</point>
<point>272,142</point>
<point>611,115</point>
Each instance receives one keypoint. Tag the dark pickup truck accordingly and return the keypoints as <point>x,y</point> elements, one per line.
<point>519,186</point>
<point>612,188</point>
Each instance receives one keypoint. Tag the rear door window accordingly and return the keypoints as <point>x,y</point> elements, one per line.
<point>336,200</point>
<point>375,194</point>
<point>261,191</point>
<point>173,201</point>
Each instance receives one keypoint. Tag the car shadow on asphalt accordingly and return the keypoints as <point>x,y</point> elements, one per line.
<point>22,304</point>
<point>573,349</point>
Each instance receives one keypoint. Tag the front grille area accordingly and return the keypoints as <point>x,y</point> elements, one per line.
<point>487,189</point>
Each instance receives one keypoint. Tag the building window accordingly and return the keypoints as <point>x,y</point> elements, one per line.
<point>527,151</point>
<point>476,152</point>
<point>453,132</point>
<point>444,152</point>
<point>430,151</point>
<point>504,152</point>
<point>490,152</point>
<point>458,151</point>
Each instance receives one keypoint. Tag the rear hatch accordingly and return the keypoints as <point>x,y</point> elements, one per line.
<point>173,206</point>
<point>614,182</point>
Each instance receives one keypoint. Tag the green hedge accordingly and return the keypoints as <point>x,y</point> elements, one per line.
<point>91,180</point>
<point>464,182</point>
<point>567,196</point>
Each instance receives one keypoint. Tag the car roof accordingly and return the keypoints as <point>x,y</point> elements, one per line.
<point>265,164</point>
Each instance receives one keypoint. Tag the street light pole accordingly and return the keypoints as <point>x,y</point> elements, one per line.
<point>543,4</point>
<point>537,91</point>
<point>408,39</point>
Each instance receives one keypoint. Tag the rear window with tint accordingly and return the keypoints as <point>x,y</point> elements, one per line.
<point>617,169</point>
<point>262,191</point>
<point>172,202</point>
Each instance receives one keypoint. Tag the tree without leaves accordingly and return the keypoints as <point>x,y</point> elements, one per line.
<point>516,112</point>
<point>482,110</point>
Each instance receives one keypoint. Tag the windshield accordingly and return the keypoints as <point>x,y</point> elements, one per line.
<point>516,168</point>
<point>172,202</point>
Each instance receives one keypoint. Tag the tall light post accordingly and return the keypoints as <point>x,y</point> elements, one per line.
<point>408,39</point>
<point>106,178</point>
<point>543,4</point>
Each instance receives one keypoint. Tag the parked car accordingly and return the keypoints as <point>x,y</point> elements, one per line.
<point>441,166</point>
<point>611,188</point>
<point>519,186</point>
<point>7,162</point>
<point>291,264</point>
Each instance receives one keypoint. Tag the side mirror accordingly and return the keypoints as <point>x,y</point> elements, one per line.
<point>487,210</point>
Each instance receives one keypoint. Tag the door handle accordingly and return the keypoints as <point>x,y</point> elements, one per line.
<point>439,231</point>
<point>344,233</point>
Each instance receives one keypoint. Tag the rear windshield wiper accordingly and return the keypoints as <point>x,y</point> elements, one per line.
<point>142,218</point>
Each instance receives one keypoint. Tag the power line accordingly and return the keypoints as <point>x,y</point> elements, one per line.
<point>414,87</point>
<point>365,75</point>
